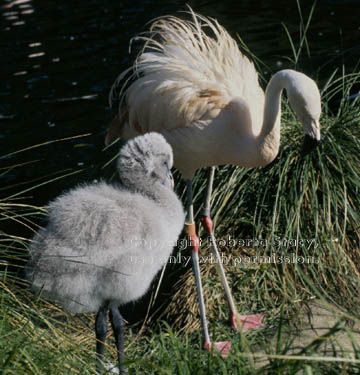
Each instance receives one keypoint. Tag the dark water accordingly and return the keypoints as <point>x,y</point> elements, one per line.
<point>59,59</point>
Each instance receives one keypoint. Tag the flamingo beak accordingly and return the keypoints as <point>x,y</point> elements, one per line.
<point>169,180</point>
<point>309,144</point>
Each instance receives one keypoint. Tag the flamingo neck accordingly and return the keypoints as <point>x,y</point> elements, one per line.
<point>269,137</point>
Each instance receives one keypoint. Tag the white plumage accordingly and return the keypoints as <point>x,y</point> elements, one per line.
<point>203,95</point>
<point>104,244</point>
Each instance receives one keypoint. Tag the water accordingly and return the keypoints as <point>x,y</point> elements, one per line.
<point>59,59</point>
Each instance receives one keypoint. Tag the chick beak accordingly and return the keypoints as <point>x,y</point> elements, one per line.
<point>309,144</point>
<point>171,178</point>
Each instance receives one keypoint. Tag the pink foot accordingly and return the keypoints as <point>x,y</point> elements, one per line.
<point>247,321</point>
<point>222,347</point>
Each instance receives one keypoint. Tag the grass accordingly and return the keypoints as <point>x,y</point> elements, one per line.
<point>313,199</point>
<point>31,342</point>
<point>38,338</point>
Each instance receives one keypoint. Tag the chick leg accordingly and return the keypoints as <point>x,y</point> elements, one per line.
<point>117,323</point>
<point>100,331</point>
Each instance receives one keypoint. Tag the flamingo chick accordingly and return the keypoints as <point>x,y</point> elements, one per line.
<point>104,244</point>
<point>202,94</point>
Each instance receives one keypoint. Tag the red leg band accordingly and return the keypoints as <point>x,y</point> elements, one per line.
<point>207,223</point>
<point>193,239</point>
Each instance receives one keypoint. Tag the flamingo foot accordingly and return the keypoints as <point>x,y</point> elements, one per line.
<point>220,347</point>
<point>246,321</point>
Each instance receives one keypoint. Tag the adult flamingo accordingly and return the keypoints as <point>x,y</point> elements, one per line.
<point>202,94</point>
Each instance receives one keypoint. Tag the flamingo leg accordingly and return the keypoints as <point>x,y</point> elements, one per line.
<point>244,321</point>
<point>224,346</point>
<point>208,226</point>
<point>194,245</point>
<point>117,323</point>
<point>100,331</point>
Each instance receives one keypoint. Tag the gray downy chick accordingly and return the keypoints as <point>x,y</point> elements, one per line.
<point>104,243</point>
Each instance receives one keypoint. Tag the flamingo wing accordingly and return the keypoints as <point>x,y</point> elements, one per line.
<point>183,76</point>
